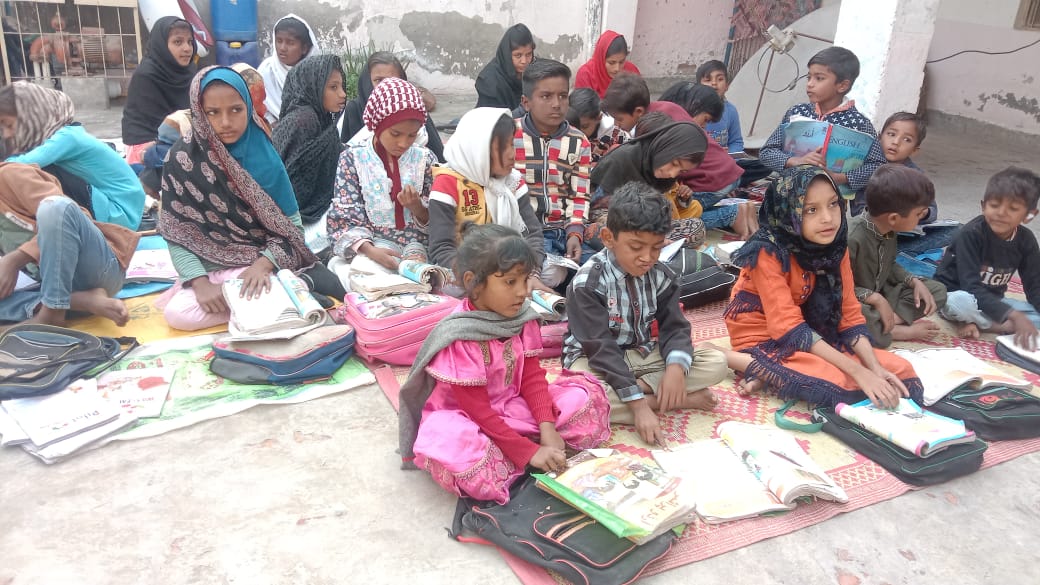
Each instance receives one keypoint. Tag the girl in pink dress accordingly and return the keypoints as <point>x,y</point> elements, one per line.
<point>477,409</point>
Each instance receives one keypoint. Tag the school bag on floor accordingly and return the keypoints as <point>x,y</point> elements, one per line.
<point>700,278</point>
<point>994,413</point>
<point>553,335</point>
<point>393,328</point>
<point>314,355</point>
<point>544,531</point>
<point>953,461</point>
<point>36,360</point>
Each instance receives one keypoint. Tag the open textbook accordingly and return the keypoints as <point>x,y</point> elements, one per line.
<point>551,307</point>
<point>632,499</point>
<point>287,310</point>
<point>920,432</point>
<point>375,282</point>
<point>844,149</point>
<point>48,419</point>
<point>749,470</point>
<point>151,266</point>
<point>944,369</point>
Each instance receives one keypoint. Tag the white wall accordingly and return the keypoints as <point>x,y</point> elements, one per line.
<point>1003,90</point>
<point>673,37</point>
<point>452,39</point>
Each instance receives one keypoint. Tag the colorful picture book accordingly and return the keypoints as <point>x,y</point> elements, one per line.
<point>140,392</point>
<point>285,311</point>
<point>632,499</point>
<point>843,149</point>
<point>375,282</point>
<point>944,369</point>
<point>151,266</point>
<point>552,307</point>
<point>920,432</point>
<point>749,470</point>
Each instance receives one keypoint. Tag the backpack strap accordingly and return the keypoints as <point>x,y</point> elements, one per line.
<point>789,425</point>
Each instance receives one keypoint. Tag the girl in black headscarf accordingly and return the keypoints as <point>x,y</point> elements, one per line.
<point>307,140</point>
<point>655,158</point>
<point>382,65</point>
<point>160,84</point>
<point>498,84</point>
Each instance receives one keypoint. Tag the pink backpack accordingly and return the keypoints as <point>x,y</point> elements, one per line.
<point>392,329</point>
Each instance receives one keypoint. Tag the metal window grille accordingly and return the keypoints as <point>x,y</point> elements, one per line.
<point>1028,15</point>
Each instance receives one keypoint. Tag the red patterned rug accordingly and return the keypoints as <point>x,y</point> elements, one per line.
<point>865,482</point>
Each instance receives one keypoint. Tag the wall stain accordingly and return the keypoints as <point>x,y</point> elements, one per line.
<point>1029,106</point>
<point>454,44</point>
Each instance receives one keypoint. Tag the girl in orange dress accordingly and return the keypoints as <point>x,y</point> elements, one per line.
<point>794,322</point>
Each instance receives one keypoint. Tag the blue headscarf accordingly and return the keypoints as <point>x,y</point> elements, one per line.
<point>253,150</point>
<point>230,204</point>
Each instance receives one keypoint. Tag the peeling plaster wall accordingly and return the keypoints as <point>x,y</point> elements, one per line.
<point>673,37</point>
<point>448,41</point>
<point>1003,90</point>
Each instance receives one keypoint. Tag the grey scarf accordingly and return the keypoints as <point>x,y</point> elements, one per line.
<point>466,325</point>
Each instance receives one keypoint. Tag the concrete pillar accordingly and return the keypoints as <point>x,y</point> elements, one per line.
<point>615,15</point>
<point>891,39</point>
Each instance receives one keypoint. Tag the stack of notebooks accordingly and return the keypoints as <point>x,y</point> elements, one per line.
<point>59,425</point>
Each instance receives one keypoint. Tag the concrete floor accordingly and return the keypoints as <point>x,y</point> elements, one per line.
<point>312,493</point>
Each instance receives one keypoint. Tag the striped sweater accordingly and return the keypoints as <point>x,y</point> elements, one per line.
<point>556,170</point>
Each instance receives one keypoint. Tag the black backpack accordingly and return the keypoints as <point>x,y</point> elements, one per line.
<point>700,278</point>
<point>36,360</point>
<point>545,531</point>
<point>995,414</point>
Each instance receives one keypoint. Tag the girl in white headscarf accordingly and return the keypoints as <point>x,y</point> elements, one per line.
<point>292,41</point>
<point>479,184</point>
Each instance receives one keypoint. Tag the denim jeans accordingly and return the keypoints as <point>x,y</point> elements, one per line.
<point>556,243</point>
<point>74,256</point>
<point>963,307</point>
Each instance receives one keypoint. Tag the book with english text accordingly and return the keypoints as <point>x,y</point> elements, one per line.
<point>843,149</point>
<point>920,432</point>
<point>944,369</point>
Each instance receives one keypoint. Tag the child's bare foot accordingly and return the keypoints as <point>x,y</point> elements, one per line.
<point>968,331</point>
<point>923,329</point>
<point>752,219</point>
<point>741,221</point>
<point>48,316</point>
<point>748,387</point>
<point>97,302</point>
<point>701,400</point>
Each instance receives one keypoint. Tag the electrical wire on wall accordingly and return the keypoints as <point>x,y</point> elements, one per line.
<point>981,52</point>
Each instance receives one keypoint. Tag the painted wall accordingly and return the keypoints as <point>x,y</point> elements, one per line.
<point>451,40</point>
<point>1003,90</point>
<point>673,37</point>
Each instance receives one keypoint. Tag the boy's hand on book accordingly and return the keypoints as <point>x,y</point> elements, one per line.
<point>923,296</point>
<point>672,390</point>
<point>814,158</point>
<point>256,280</point>
<point>885,312</point>
<point>208,295</point>
<point>574,248</point>
<point>647,424</point>
<point>1025,331</point>
<point>550,459</point>
<point>534,282</point>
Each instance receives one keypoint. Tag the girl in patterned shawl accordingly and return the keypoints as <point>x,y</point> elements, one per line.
<point>381,197</point>
<point>228,209</point>
<point>794,321</point>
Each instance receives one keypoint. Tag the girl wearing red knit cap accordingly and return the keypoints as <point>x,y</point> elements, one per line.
<point>380,199</point>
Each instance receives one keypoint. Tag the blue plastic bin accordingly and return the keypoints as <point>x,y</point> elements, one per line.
<point>234,20</point>
<point>229,53</point>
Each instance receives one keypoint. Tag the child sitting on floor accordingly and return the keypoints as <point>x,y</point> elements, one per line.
<point>832,72</point>
<point>553,158</point>
<point>901,138</point>
<point>613,301</point>
<point>79,263</point>
<point>480,185</point>
<point>985,254</point>
<point>626,100</point>
<point>892,299</point>
<point>584,114</point>
<point>794,322</point>
<point>725,130</point>
<point>38,129</point>
<point>477,409</point>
